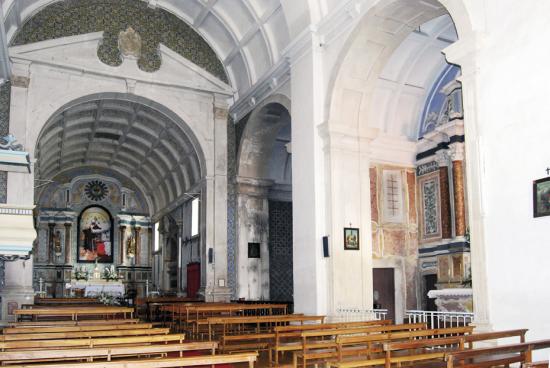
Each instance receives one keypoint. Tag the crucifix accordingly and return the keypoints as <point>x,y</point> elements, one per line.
<point>548,171</point>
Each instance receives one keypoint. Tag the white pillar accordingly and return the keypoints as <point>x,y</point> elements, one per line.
<point>308,183</point>
<point>462,53</point>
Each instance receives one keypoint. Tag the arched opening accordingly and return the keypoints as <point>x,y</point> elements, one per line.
<point>264,204</point>
<point>389,69</point>
<point>134,161</point>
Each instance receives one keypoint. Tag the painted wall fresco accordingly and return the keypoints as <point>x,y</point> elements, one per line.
<point>395,240</point>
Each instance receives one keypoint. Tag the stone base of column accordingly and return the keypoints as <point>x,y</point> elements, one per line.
<point>19,295</point>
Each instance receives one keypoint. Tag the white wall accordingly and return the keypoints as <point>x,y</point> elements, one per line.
<point>511,118</point>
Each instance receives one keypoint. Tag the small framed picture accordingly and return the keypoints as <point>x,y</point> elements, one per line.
<point>351,238</point>
<point>541,197</point>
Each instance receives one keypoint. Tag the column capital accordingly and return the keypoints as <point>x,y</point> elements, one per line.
<point>457,151</point>
<point>442,158</point>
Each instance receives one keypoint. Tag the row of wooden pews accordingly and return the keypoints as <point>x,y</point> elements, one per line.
<point>100,336</point>
<point>302,341</point>
<point>100,342</point>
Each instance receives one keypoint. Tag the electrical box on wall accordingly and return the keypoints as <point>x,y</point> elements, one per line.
<point>254,250</point>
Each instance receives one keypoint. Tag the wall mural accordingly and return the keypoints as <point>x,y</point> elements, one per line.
<point>95,234</point>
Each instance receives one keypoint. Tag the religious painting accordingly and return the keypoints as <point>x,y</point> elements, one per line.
<point>541,197</point>
<point>95,235</point>
<point>351,238</point>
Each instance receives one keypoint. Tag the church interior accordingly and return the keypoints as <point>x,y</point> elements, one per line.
<point>274,183</point>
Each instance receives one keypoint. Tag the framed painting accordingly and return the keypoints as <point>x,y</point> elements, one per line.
<point>351,238</point>
<point>541,197</point>
<point>95,235</point>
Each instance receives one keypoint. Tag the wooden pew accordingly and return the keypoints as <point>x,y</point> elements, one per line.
<point>458,342</point>
<point>102,353</point>
<point>314,344</point>
<point>185,315</point>
<point>354,339</point>
<point>249,358</point>
<point>242,324</point>
<point>73,312</point>
<point>84,334</point>
<point>65,301</point>
<point>23,324</point>
<point>261,333</point>
<point>420,350</point>
<point>495,356</point>
<point>286,336</point>
<point>50,329</point>
<point>90,342</point>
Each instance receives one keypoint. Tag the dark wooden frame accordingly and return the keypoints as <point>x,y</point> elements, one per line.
<point>536,211</point>
<point>346,245</point>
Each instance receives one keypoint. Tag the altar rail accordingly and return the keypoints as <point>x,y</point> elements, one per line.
<point>357,314</point>
<point>439,319</point>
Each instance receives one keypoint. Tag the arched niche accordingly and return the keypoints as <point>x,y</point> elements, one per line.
<point>264,179</point>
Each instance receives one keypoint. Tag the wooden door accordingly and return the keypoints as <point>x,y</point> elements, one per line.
<point>384,290</point>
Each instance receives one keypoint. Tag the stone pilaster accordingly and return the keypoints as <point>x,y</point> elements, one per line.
<point>122,229</point>
<point>68,245</point>
<point>137,231</point>
<point>213,232</point>
<point>51,230</point>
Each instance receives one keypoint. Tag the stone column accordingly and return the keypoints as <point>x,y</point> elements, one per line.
<point>457,156</point>
<point>252,227</point>
<point>442,159</point>
<point>51,229</point>
<point>68,245</point>
<point>137,230</point>
<point>122,233</point>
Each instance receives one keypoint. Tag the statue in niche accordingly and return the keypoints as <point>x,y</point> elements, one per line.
<point>57,243</point>
<point>129,43</point>
<point>131,246</point>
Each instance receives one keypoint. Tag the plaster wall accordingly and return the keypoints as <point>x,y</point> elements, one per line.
<point>506,132</point>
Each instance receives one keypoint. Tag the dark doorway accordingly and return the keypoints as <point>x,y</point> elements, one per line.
<point>429,284</point>
<point>384,290</point>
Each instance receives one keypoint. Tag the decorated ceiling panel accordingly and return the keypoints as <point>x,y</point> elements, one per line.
<point>129,140</point>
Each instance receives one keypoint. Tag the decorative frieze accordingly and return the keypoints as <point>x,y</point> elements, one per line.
<point>427,168</point>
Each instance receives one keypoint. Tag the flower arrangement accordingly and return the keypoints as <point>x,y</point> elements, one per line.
<point>81,273</point>
<point>108,299</point>
<point>110,274</point>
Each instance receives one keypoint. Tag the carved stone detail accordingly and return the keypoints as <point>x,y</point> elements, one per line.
<point>129,43</point>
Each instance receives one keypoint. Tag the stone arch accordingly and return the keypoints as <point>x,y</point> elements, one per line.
<point>381,30</point>
<point>254,184</point>
<point>258,137</point>
<point>171,139</point>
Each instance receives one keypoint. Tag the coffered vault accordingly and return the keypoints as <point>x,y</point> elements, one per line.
<point>131,138</point>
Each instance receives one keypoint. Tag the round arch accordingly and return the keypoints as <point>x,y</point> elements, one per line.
<point>140,138</point>
<point>379,33</point>
<point>259,135</point>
